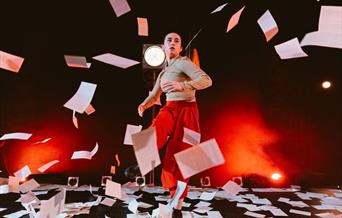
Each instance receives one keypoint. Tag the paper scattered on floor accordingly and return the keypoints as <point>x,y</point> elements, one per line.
<point>252,214</point>
<point>301,212</point>
<point>232,187</point>
<point>108,202</point>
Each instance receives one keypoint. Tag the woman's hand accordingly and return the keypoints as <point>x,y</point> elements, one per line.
<point>141,109</point>
<point>173,86</point>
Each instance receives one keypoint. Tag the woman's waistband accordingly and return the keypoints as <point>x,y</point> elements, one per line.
<point>181,103</point>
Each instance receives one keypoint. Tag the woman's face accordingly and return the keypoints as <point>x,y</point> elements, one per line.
<point>172,45</point>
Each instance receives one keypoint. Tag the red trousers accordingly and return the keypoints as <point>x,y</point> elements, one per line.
<point>169,124</point>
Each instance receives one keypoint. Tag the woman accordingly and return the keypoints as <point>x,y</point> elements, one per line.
<point>179,81</point>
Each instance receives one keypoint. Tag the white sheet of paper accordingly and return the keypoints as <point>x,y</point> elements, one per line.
<point>142,26</point>
<point>46,166</point>
<point>234,20</point>
<point>85,154</point>
<point>13,184</point>
<point>120,7</point>
<point>10,62</point>
<point>164,211</point>
<point>202,204</point>
<point>261,201</point>
<point>278,212</point>
<point>90,109</point>
<point>131,129</point>
<point>76,61</point>
<point>207,196</point>
<point>29,198</point>
<point>16,135</point>
<point>323,39</point>
<point>42,142</point>
<point>214,214</point>
<point>133,206</point>
<point>145,205</point>
<point>146,150</point>
<point>326,215</point>
<point>330,19</point>
<point>232,187</point>
<point>23,172</point>
<point>191,137</point>
<point>82,98</point>
<point>113,189</point>
<point>115,60</point>
<point>250,207</point>
<point>53,206</point>
<point>268,25</point>
<point>301,212</point>
<point>202,209</point>
<point>219,8</point>
<point>252,214</point>
<point>108,202</point>
<point>29,186</point>
<point>290,49</point>
<point>199,158</point>
<point>179,191</point>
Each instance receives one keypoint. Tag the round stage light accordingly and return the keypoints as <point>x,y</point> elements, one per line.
<point>326,85</point>
<point>276,176</point>
<point>154,56</point>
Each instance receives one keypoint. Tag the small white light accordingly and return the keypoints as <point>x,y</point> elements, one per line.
<point>154,56</point>
<point>326,84</point>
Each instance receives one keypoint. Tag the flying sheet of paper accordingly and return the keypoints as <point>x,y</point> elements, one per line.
<point>232,187</point>
<point>16,135</point>
<point>120,7</point>
<point>117,159</point>
<point>179,191</point>
<point>82,98</point>
<point>131,129</point>
<point>76,61</point>
<point>330,19</point>
<point>113,189</point>
<point>207,196</point>
<point>53,206</point>
<point>329,32</point>
<point>74,119</point>
<point>234,20</point>
<point>116,60</point>
<point>13,184</point>
<point>90,109</point>
<point>42,142</point>
<point>268,25</point>
<point>142,26</point>
<point>29,198</point>
<point>290,49</point>
<point>146,150</point>
<point>10,62</point>
<point>219,8</point>
<point>191,137</point>
<point>28,186</point>
<point>301,212</point>
<point>108,202</point>
<point>322,39</point>
<point>252,214</point>
<point>46,166</point>
<point>85,154</point>
<point>23,172</point>
<point>199,158</point>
